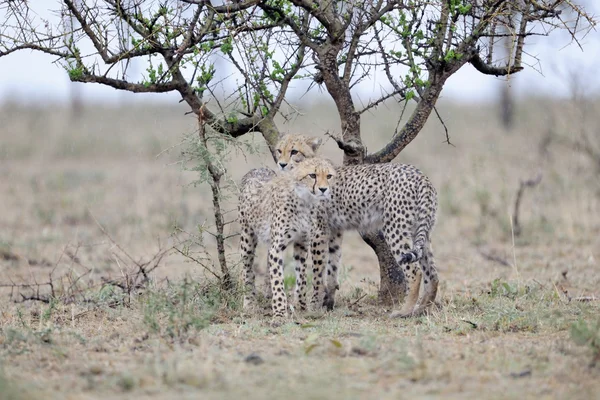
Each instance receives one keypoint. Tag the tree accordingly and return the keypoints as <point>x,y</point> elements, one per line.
<point>416,44</point>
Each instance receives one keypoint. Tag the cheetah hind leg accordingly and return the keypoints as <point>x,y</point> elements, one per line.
<point>412,273</point>
<point>430,281</point>
<point>268,293</point>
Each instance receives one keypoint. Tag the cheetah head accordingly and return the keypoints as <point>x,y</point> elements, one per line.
<point>292,149</point>
<point>315,176</point>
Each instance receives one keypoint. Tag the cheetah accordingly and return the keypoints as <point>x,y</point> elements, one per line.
<point>396,199</point>
<point>282,210</point>
<point>292,149</point>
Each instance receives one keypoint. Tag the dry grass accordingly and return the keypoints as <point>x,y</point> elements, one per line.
<point>508,323</point>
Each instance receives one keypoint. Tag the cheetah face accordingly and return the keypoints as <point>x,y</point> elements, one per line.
<point>293,149</point>
<point>316,175</point>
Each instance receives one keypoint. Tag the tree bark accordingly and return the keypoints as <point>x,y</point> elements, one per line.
<point>392,284</point>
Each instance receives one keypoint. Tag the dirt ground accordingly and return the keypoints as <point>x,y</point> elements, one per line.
<point>87,197</point>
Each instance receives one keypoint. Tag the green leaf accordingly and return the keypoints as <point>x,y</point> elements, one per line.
<point>227,46</point>
<point>310,348</point>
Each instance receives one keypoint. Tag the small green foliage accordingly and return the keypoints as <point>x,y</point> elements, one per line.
<point>289,282</point>
<point>500,288</point>
<point>227,46</point>
<point>397,54</point>
<point>232,118</point>
<point>48,311</point>
<point>315,340</point>
<point>179,309</point>
<point>452,55</point>
<point>76,72</point>
<point>460,8</point>
<point>587,333</point>
<point>207,73</point>
<point>126,383</point>
<point>278,72</point>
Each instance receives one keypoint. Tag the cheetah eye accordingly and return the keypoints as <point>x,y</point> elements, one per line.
<point>329,176</point>
<point>278,151</point>
<point>313,176</point>
<point>294,152</point>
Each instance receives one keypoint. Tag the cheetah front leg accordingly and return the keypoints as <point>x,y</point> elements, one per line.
<point>279,302</point>
<point>320,256</point>
<point>333,266</point>
<point>267,283</point>
<point>300,255</point>
<point>248,243</point>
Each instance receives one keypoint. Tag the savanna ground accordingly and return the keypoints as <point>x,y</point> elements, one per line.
<point>82,194</point>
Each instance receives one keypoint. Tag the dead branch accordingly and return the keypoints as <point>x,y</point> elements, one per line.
<point>495,258</point>
<point>350,148</point>
<point>530,183</point>
<point>586,299</point>
<point>68,288</point>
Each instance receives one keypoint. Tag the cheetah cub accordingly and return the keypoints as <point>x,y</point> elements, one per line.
<point>282,210</point>
<point>397,200</point>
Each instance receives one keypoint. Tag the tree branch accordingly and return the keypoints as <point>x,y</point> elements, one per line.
<point>128,86</point>
<point>488,69</point>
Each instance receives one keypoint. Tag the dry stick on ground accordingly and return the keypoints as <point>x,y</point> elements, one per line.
<point>47,291</point>
<point>530,183</point>
<point>495,258</point>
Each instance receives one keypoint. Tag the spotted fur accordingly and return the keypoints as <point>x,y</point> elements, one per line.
<point>399,201</point>
<point>282,210</point>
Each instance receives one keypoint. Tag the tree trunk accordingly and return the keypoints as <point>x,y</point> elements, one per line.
<point>507,115</point>
<point>392,285</point>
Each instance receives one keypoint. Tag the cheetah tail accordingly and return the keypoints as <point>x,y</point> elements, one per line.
<point>426,216</point>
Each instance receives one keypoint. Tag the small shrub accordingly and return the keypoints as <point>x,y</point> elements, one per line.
<point>180,309</point>
<point>587,334</point>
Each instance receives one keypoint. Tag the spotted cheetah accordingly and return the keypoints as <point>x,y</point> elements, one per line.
<point>280,210</point>
<point>292,149</point>
<point>397,200</point>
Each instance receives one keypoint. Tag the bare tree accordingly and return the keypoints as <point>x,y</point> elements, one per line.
<point>416,44</point>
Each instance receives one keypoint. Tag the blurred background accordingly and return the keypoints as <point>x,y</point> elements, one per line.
<point>74,157</point>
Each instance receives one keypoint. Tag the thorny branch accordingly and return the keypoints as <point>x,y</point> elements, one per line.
<point>524,184</point>
<point>135,275</point>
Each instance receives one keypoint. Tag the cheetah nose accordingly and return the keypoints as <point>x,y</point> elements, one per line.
<point>323,190</point>
<point>282,165</point>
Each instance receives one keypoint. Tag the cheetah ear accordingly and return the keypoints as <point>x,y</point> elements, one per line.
<point>314,143</point>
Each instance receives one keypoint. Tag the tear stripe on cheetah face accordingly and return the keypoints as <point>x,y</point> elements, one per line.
<point>281,210</point>
<point>357,204</point>
<point>293,149</point>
